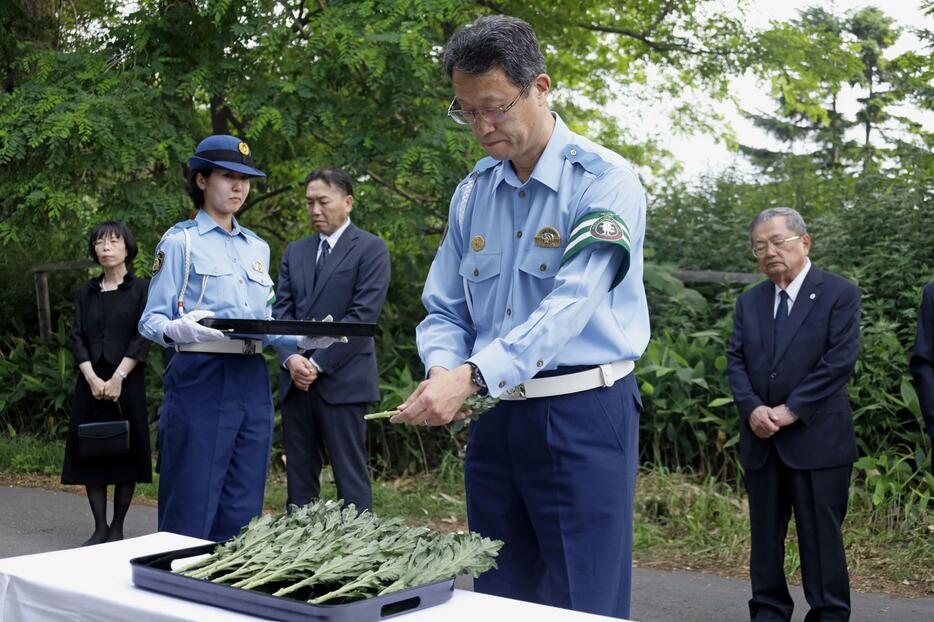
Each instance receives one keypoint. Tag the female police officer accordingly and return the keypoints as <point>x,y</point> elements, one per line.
<point>216,422</point>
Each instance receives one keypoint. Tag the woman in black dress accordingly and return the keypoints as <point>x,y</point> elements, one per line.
<point>111,355</point>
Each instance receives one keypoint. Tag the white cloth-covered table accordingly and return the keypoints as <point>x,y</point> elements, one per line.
<point>95,584</point>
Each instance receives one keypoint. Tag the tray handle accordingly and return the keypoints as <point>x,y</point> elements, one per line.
<point>400,606</point>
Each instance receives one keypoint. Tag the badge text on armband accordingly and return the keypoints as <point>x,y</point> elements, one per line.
<point>157,262</point>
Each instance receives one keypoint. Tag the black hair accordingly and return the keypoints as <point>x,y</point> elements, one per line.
<point>332,176</point>
<point>196,193</point>
<point>117,229</point>
<point>495,41</point>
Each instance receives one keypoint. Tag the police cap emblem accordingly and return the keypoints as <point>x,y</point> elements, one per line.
<point>477,243</point>
<point>244,148</point>
<point>548,237</point>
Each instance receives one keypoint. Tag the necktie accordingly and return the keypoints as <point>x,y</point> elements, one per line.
<point>322,258</point>
<point>780,316</point>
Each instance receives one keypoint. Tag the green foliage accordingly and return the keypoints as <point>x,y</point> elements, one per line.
<point>29,454</point>
<point>35,378</point>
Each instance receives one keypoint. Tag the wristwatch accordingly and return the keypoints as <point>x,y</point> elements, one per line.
<point>120,373</point>
<point>477,378</point>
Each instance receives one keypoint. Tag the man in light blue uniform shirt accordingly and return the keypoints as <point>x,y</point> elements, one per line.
<point>536,297</point>
<point>216,421</point>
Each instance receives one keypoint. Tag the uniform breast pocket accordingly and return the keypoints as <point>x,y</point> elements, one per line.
<point>480,270</point>
<point>539,267</point>
<point>260,278</point>
<point>205,266</point>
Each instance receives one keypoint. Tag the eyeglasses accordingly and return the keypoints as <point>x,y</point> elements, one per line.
<point>113,241</point>
<point>761,247</point>
<point>490,115</point>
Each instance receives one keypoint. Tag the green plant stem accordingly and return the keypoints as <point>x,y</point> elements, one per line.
<point>386,414</point>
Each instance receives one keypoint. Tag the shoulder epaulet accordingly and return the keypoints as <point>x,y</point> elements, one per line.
<point>178,228</point>
<point>591,162</point>
<point>250,234</point>
<point>484,164</point>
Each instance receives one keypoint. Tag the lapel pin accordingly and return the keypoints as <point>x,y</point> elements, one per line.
<point>812,296</point>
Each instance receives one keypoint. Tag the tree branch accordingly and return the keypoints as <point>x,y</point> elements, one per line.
<point>268,195</point>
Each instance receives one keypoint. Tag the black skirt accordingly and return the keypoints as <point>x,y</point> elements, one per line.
<point>136,466</point>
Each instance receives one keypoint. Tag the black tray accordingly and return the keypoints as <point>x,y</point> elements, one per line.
<point>290,327</point>
<point>153,572</point>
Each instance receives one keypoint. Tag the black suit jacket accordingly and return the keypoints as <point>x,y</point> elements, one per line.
<point>92,339</point>
<point>352,288</point>
<point>922,359</point>
<point>808,371</point>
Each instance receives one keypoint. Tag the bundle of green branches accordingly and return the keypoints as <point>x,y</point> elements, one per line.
<point>325,552</point>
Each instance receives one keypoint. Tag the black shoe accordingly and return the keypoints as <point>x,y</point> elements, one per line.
<point>98,537</point>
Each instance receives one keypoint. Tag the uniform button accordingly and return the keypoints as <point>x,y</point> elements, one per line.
<point>522,194</point>
<point>502,383</point>
<point>508,311</point>
<point>235,260</point>
<point>476,273</point>
<point>773,375</point>
<point>542,267</point>
<point>518,234</point>
<point>573,151</point>
<point>241,281</point>
<point>539,363</point>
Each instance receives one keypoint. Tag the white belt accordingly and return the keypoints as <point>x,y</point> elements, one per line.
<point>224,346</point>
<point>600,376</point>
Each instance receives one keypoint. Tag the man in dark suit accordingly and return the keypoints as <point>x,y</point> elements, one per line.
<point>922,359</point>
<point>794,345</point>
<point>340,272</point>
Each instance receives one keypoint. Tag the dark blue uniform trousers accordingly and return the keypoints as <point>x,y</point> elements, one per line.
<point>214,436</point>
<point>554,479</point>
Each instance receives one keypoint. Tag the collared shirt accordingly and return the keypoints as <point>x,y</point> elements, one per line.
<point>526,312</point>
<point>228,274</point>
<point>331,240</point>
<point>793,288</point>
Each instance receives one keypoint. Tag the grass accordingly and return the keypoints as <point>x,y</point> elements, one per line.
<point>682,522</point>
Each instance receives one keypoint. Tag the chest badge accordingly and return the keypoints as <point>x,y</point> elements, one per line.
<point>157,262</point>
<point>548,237</point>
<point>477,243</point>
<point>258,266</point>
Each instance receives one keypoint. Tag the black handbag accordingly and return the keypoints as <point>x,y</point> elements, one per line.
<point>107,438</point>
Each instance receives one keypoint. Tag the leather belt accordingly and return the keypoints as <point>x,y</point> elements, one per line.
<point>600,376</point>
<point>224,346</point>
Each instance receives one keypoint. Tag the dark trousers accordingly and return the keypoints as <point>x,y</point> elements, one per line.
<point>214,436</point>
<point>311,428</point>
<point>554,478</point>
<point>819,499</point>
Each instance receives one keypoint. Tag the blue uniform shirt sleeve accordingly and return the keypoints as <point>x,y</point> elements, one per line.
<point>446,336</point>
<point>166,281</point>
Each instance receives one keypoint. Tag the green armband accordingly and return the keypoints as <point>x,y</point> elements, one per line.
<point>599,228</point>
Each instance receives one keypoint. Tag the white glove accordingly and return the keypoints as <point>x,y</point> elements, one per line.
<point>187,330</point>
<point>306,342</point>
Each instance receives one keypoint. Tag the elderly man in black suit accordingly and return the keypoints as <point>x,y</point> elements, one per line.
<point>922,358</point>
<point>794,345</point>
<point>342,272</point>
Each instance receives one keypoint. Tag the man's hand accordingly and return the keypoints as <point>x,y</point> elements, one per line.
<point>782,417</point>
<point>761,423</point>
<point>302,370</point>
<point>112,388</point>
<point>437,401</point>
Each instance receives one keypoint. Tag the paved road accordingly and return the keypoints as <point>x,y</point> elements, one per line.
<point>33,520</point>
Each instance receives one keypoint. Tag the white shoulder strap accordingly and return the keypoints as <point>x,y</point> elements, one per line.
<point>461,211</point>
<point>204,281</point>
